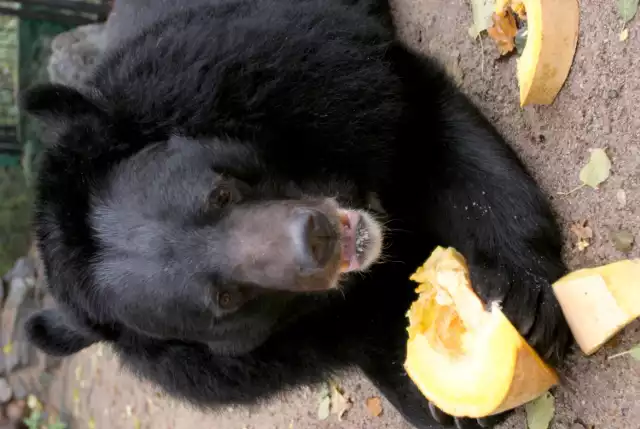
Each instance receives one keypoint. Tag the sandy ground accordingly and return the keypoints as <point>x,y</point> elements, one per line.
<point>598,107</point>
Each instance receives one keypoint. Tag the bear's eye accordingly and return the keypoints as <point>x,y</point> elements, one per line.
<point>227,300</point>
<point>221,197</point>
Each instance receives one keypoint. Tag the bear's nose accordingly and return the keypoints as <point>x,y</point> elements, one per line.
<point>316,239</point>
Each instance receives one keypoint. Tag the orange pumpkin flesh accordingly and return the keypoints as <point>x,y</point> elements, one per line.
<point>467,360</point>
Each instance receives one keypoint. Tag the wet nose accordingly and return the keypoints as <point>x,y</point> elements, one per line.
<point>315,239</point>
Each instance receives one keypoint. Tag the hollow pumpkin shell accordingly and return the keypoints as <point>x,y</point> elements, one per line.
<point>553,29</point>
<point>467,360</point>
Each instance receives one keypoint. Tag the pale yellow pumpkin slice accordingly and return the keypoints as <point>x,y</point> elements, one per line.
<point>599,302</point>
<point>467,360</point>
<point>553,28</point>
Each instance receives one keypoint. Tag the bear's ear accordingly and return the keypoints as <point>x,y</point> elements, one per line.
<point>51,332</point>
<point>57,103</point>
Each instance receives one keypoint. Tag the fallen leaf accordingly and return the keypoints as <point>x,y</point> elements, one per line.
<point>8,348</point>
<point>503,31</point>
<point>582,230</point>
<point>582,245</point>
<point>136,423</point>
<point>624,35</point>
<point>635,353</point>
<point>622,240</point>
<point>57,424</point>
<point>583,233</point>
<point>597,169</point>
<point>324,409</point>
<point>340,404</point>
<point>34,420</point>
<point>621,196</point>
<point>540,411</point>
<point>92,423</point>
<point>627,9</point>
<point>33,402</point>
<point>481,11</point>
<point>374,405</point>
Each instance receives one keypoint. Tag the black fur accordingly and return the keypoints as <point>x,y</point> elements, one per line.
<point>285,102</point>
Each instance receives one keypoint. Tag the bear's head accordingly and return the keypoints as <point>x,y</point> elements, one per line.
<point>207,240</point>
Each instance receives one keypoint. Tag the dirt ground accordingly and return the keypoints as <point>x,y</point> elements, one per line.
<point>597,108</point>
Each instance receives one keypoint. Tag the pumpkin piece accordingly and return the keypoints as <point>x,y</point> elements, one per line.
<point>469,361</point>
<point>553,28</point>
<point>599,302</point>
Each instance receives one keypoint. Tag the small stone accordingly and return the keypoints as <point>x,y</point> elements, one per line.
<point>74,53</point>
<point>19,388</point>
<point>6,393</point>
<point>612,93</point>
<point>621,196</point>
<point>16,410</point>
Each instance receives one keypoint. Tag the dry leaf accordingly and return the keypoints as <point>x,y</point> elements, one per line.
<point>582,244</point>
<point>540,411</point>
<point>622,240</point>
<point>481,11</point>
<point>374,405</point>
<point>597,169</point>
<point>503,31</point>
<point>624,35</point>
<point>324,408</point>
<point>582,230</point>
<point>583,233</point>
<point>33,402</point>
<point>340,404</point>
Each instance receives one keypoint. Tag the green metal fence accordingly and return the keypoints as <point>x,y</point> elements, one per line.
<point>27,28</point>
<point>10,147</point>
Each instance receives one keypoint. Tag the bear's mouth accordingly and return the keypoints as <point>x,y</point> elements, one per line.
<point>360,240</point>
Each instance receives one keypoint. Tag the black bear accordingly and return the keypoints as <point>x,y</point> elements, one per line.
<point>237,197</point>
